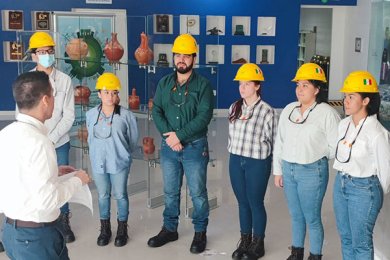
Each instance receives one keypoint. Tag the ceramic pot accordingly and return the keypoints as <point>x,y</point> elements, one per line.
<point>113,49</point>
<point>134,99</point>
<point>81,95</point>
<point>143,54</point>
<point>76,49</point>
<point>150,104</point>
<point>82,134</point>
<point>148,145</point>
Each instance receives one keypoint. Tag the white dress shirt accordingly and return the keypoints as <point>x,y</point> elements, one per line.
<point>308,142</point>
<point>370,154</point>
<point>29,185</point>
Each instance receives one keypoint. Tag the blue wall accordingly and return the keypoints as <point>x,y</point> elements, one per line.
<point>278,89</point>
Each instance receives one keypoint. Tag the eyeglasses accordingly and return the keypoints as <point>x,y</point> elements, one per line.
<point>43,52</point>
<point>347,147</point>
<point>297,120</point>
<point>183,100</point>
<point>102,132</point>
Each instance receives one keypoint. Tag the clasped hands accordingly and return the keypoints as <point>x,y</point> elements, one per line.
<point>173,141</point>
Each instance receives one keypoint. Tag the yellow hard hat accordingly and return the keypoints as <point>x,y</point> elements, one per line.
<point>41,39</point>
<point>310,71</point>
<point>360,81</point>
<point>248,72</point>
<point>185,44</point>
<point>108,81</point>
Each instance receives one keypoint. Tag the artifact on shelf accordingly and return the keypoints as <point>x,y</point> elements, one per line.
<point>214,57</point>
<point>81,95</point>
<point>239,61</point>
<point>214,31</point>
<point>134,100</point>
<point>150,104</point>
<point>162,60</point>
<point>264,56</point>
<point>148,145</point>
<point>239,30</point>
<point>143,54</point>
<point>162,23</point>
<point>77,49</point>
<point>82,134</point>
<point>113,49</point>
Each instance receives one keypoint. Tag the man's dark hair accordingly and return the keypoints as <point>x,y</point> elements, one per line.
<point>29,88</point>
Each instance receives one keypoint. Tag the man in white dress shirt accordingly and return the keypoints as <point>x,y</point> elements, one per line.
<point>30,192</point>
<point>41,47</point>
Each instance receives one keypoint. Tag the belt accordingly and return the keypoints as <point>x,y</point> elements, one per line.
<point>29,224</point>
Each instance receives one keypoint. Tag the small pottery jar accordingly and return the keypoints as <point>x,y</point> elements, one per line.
<point>148,145</point>
<point>113,49</point>
<point>134,99</point>
<point>82,134</point>
<point>143,54</point>
<point>76,49</point>
<point>81,95</point>
<point>150,104</point>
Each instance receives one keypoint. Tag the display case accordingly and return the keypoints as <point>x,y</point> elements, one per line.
<point>139,72</point>
<point>306,46</point>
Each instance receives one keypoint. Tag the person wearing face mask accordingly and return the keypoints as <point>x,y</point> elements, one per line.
<point>305,141</point>
<point>182,109</point>
<point>41,48</point>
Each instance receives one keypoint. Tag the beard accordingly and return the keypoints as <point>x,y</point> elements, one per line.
<point>184,70</point>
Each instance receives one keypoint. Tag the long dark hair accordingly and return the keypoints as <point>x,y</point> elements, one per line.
<point>237,106</point>
<point>322,96</point>
<point>374,104</point>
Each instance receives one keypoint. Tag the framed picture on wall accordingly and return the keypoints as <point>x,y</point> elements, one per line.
<point>41,20</point>
<point>163,24</point>
<point>12,20</point>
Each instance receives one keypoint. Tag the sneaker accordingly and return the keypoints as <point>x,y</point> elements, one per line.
<point>163,237</point>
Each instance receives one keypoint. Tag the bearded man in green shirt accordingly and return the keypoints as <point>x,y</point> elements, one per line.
<point>182,109</point>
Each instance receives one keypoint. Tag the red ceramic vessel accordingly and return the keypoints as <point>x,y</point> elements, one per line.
<point>81,95</point>
<point>143,54</point>
<point>148,145</point>
<point>76,49</point>
<point>113,49</point>
<point>134,99</point>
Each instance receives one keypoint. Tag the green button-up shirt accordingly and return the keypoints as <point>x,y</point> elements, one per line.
<point>187,114</point>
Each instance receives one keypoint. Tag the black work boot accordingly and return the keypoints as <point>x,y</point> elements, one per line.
<point>199,242</point>
<point>296,253</point>
<point>65,227</point>
<point>105,232</point>
<point>243,246</point>
<point>1,247</point>
<point>314,257</point>
<point>121,234</point>
<point>163,237</point>
<point>255,250</point>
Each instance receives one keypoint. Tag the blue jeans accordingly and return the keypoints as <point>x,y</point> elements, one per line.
<point>118,184</point>
<point>356,202</point>
<point>63,159</point>
<point>304,189</point>
<point>46,243</point>
<point>191,161</point>
<point>249,179</point>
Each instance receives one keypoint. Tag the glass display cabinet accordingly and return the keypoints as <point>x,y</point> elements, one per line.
<point>87,43</point>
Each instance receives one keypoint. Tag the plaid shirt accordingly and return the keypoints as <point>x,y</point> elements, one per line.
<point>254,133</point>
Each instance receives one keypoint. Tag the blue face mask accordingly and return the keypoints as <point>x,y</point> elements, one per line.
<point>46,60</point>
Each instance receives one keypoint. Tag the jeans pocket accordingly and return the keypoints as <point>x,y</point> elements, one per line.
<point>361,183</point>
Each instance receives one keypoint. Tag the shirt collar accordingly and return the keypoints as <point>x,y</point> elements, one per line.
<point>32,121</point>
<point>252,105</point>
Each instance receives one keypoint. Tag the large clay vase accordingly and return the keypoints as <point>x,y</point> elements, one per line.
<point>113,49</point>
<point>143,54</point>
<point>81,95</point>
<point>134,100</point>
<point>148,145</point>
<point>76,49</point>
